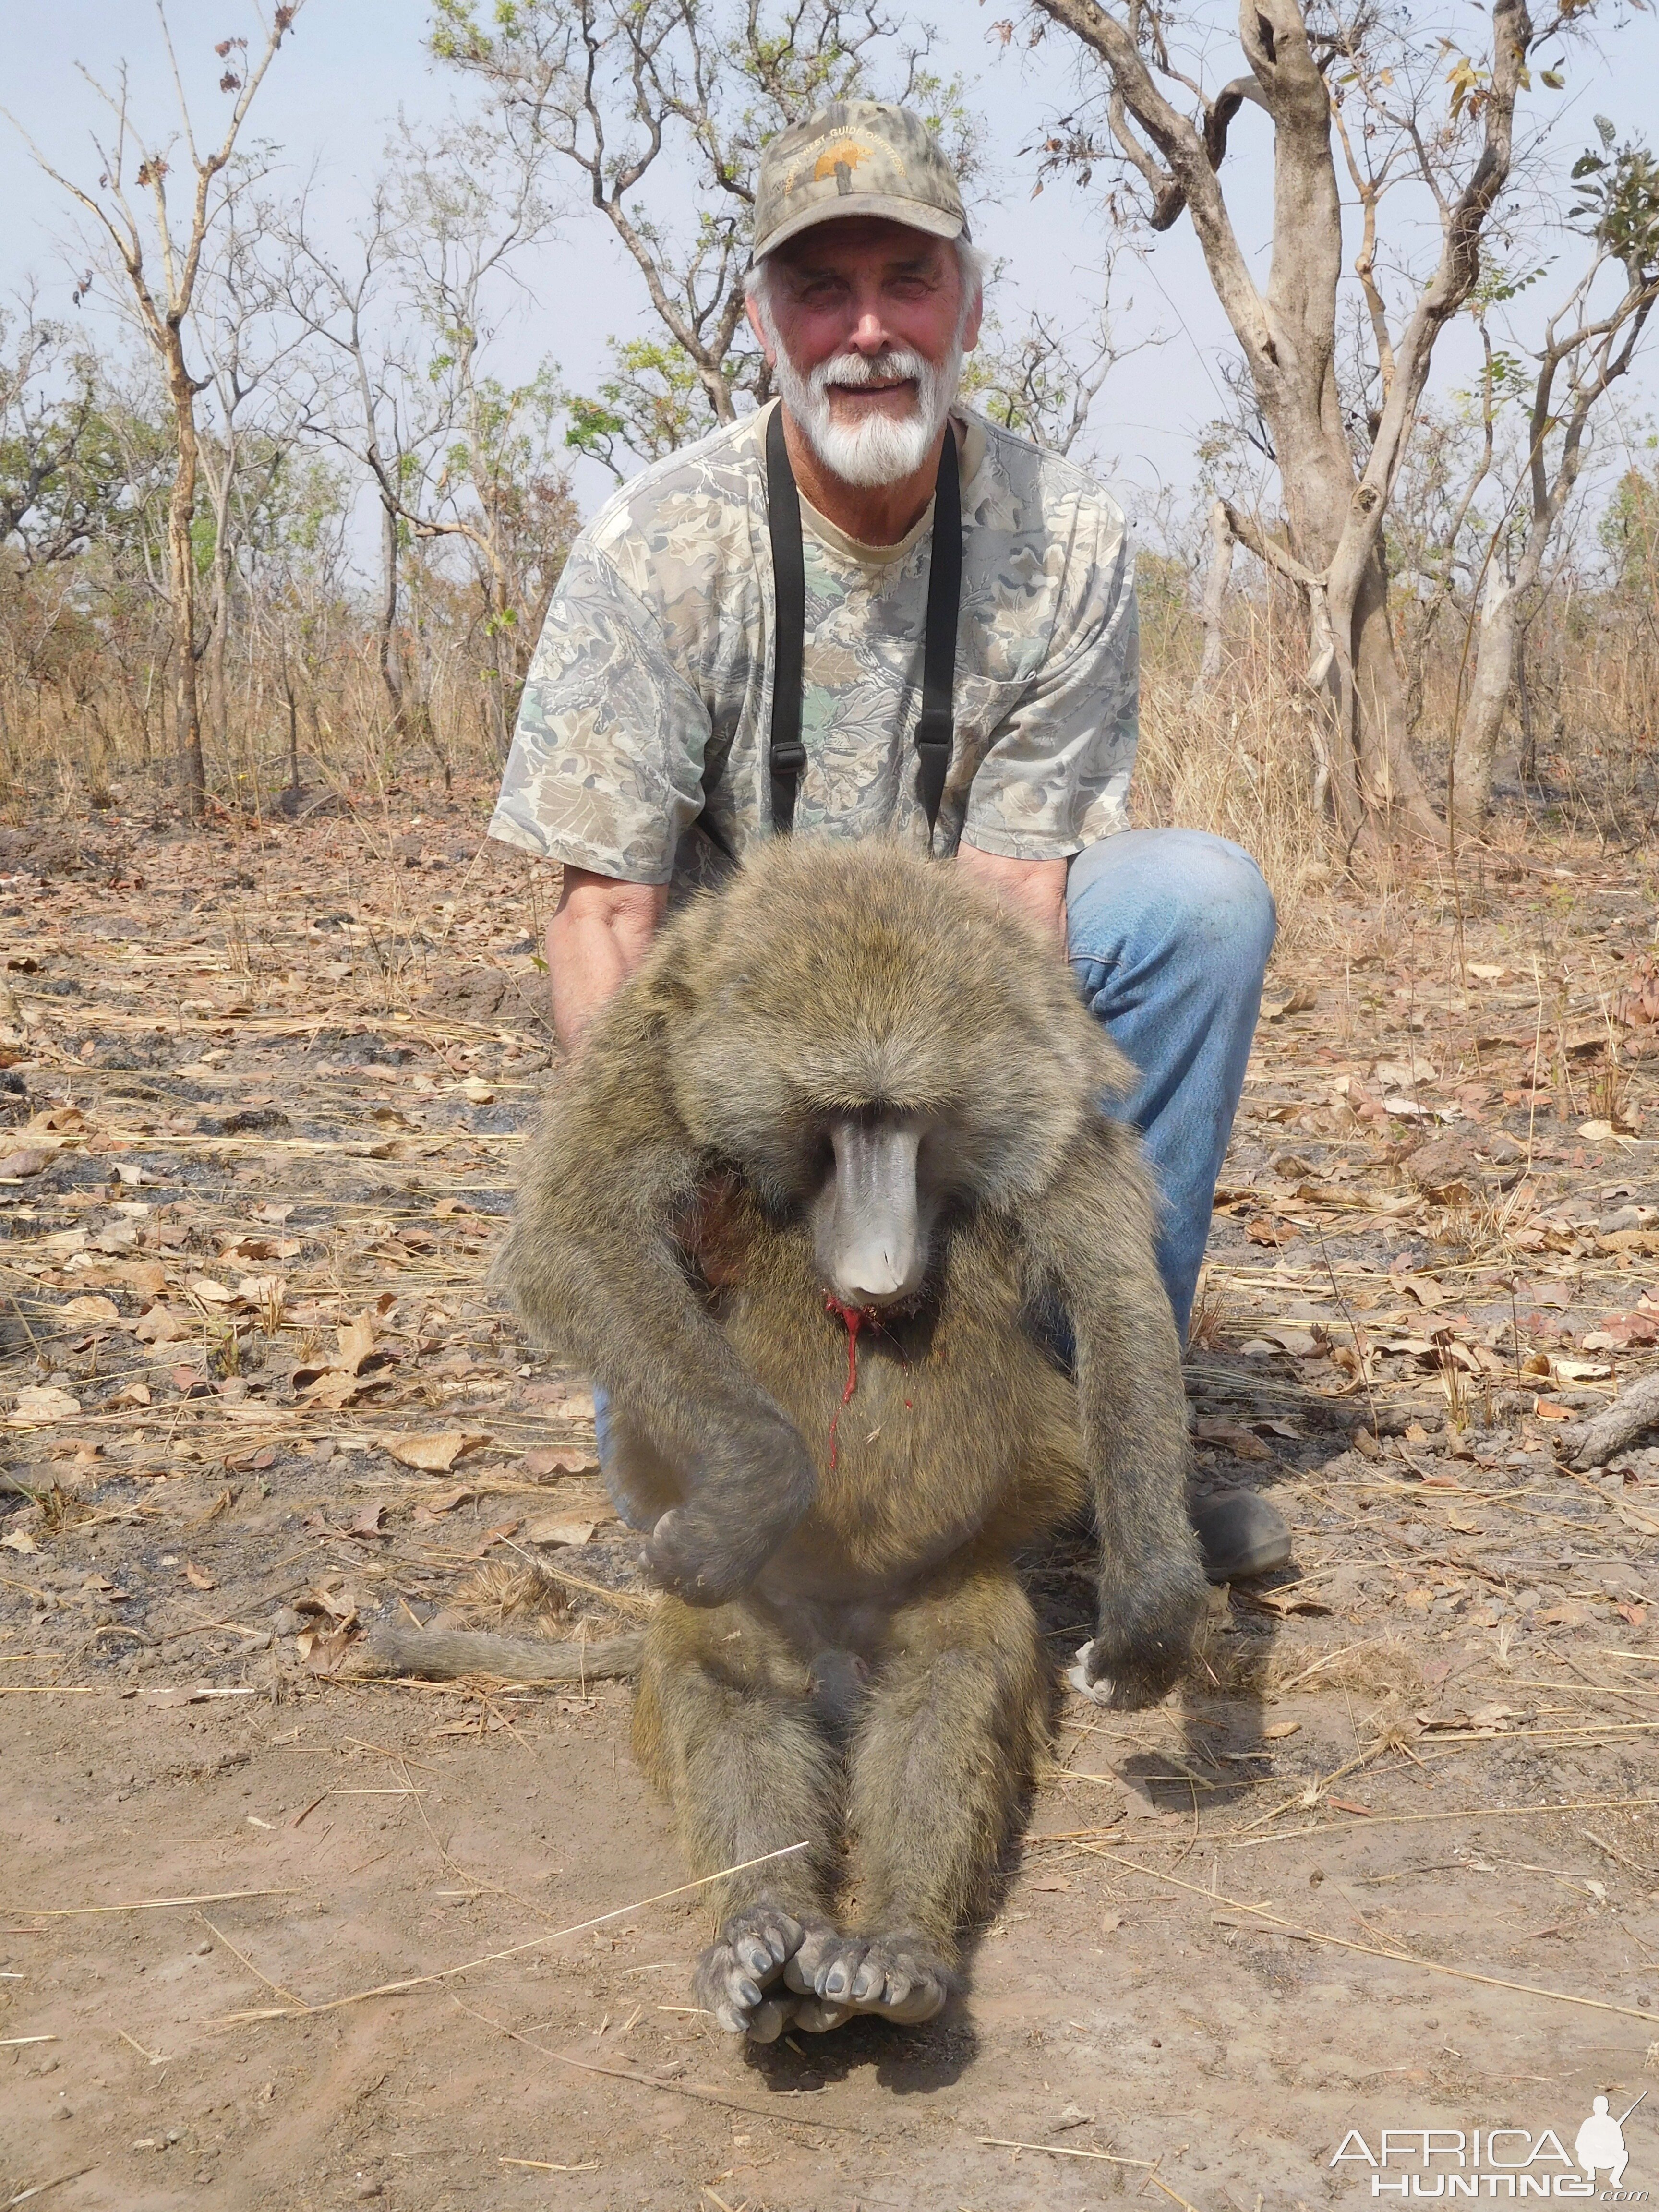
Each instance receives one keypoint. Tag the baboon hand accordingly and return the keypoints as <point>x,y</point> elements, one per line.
<point>1108,1675</point>
<point>709,1549</point>
<point>1147,1629</point>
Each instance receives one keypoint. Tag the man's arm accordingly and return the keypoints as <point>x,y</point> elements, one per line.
<point>597,937</point>
<point>1035,889</point>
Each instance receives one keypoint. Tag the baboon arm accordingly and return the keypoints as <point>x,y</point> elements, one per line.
<point>595,1272</point>
<point>1093,1238</point>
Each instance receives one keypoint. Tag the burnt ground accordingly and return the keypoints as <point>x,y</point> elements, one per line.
<point>1392,1859</point>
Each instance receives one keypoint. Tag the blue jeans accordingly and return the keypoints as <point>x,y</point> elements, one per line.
<point>1170,932</point>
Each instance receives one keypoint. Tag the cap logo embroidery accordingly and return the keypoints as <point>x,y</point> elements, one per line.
<point>846,153</point>
<point>841,157</point>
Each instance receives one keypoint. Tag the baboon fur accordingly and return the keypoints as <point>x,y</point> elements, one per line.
<point>845,1656</point>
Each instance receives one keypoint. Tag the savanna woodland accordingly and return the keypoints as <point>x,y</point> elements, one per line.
<point>294,443</point>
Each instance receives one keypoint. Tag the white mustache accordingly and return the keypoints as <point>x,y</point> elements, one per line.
<point>854,371</point>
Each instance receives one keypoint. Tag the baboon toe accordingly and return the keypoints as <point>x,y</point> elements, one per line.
<point>897,1976</point>
<point>739,1967</point>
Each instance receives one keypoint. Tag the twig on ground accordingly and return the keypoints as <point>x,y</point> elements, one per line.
<point>1369,1950</point>
<point>298,2011</point>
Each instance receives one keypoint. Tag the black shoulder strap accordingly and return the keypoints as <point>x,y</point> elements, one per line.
<point>787,755</point>
<point>935,724</point>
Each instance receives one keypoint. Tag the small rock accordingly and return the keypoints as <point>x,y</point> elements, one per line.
<point>286,1622</point>
<point>1502,1151</point>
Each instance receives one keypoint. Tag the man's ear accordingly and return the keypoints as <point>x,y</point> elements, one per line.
<point>753,311</point>
<point>976,317</point>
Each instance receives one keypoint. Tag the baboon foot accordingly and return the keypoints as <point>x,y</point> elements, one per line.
<point>900,1976</point>
<point>740,1967</point>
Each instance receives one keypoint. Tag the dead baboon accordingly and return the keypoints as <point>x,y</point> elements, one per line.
<point>825,1188</point>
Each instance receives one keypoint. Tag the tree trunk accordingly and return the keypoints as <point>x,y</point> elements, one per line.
<point>391,673</point>
<point>1213,613</point>
<point>1489,697</point>
<point>218,691</point>
<point>181,571</point>
<point>1374,780</point>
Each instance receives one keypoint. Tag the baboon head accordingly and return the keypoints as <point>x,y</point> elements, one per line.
<point>870,1040</point>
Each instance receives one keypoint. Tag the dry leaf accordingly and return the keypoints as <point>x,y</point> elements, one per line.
<point>209,1292</point>
<point>162,1326</point>
<point>1283,1602</point>
<point>29,1161</point>
<point>552,1529</point>
<point>356,1341</point>
<point>91,1311</point>
<point>43,1402</point>
<point>1597,1131</point>
<point>1580,1370</point>
<point>368,1523</point>
<point>432,1454</point>
<point>268,1293</point>
<point>442,1502</point>
<point>323,1654</point>
<point>21,1541</point>
<point>199,1577</point>
<point>479,1092</point>
<point>1279,1731</point>
<point>542,1459</point>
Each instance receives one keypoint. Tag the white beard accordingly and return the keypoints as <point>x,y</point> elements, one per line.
<point>883,449</point>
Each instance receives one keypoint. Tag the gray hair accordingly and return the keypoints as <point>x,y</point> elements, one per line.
<point>970,266</point>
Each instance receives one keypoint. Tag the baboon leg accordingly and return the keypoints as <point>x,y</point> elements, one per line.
<point>722,1724</point>
<point>945,1751</point>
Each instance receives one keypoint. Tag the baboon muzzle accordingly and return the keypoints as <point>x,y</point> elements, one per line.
<point>872,1237</point>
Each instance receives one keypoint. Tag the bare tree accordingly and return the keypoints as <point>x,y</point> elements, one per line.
<point>255,420</point>
<point>162,297</point>
<point>1587,348</point>
<point>1308,68</point>
<point>1044,382</point>
<point>458,456</point>
<point>656,105</point>
<point>54,456</point>
<point>347,300</point>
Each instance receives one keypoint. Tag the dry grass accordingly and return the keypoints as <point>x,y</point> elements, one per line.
<point>1383,1667</point>
<point>1240,767</point>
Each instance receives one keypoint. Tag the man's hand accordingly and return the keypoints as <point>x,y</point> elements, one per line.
<point>597,937</point>
<point>1034,889</point>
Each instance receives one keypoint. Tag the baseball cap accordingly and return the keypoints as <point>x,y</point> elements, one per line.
<point>855,157</point>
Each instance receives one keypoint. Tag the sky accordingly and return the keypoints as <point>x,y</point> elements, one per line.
<point>352,65</point>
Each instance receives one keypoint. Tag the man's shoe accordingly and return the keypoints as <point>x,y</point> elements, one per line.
<point>1240,1534</point>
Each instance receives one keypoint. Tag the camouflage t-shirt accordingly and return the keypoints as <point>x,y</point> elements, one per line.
<point>653,672</point>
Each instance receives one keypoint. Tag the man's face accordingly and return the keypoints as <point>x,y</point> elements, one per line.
<point>866,323</point>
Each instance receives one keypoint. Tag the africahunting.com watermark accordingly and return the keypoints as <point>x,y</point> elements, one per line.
<point>1496,2161</point>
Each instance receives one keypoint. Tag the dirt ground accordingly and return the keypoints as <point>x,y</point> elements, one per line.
<point>1391,1862</point>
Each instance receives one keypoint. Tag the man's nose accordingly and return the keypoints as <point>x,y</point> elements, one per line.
<point>869,333</point>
